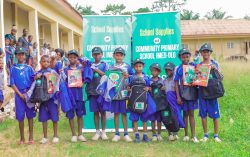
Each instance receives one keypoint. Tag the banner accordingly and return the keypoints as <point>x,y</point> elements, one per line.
<point>107,32</point>
<point>156,38</point>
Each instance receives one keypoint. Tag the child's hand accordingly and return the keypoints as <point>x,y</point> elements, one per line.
<point>22,97</point>
<point>213,67</point>
<point>163,88</point>
<point>149,89</point>
<point>125,75</point>
<point>128,89</point>
<point>179,101</point>
<point>146,88</point>
<point>38,76</point>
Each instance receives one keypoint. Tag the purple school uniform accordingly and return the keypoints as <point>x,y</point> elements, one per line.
<point>79,109</point>
<point>48,110</point>
<point>22,76</point>
<point>209,107</point>
<point>157,115</point>
<point>95,105</point>
<point>169,85</point>
<point>136,116</point>
<point>119,106</point>
<point>1,85</point>
<point>187,104</point>
<point>58,66</point>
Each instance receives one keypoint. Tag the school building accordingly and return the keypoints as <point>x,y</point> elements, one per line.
<point>228,38</point>
<point>52,21</point>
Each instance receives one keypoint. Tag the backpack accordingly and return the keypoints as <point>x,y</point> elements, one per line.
<point>188,92</point>
<point>170,119</point>
<point>137,101</point>
<point>214,89</point>
<point>91,87</point>
<point>159,96</point>
<point>40,93</point>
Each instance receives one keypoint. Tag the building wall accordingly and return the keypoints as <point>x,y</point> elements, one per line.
<point>23,21</point>
<point>7,17</point>
<point>223,47</point>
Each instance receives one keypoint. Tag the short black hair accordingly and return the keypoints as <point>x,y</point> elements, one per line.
<point>44,56</point>
<point>60,51</point>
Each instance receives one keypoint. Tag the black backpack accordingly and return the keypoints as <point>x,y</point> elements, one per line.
<point>159,96</point>
<point>40,93</point>
<point>137,101</point>
<point>214,89</point>
<point>170,120</point>
<point>91,87</point>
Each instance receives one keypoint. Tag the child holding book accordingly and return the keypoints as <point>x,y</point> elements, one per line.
<point>209,107</point>
<point>188,105</point>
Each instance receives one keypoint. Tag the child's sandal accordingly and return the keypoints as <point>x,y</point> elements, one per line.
<point>31,142</point>
<point>21,142</point>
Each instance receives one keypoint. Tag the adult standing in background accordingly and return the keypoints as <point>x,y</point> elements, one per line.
<point>24,42</point>
<point>12,35</point>
<point>44,50</point>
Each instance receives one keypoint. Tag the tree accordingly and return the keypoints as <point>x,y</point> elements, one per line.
<point>169,5</point>
<point>114,9</point>
<point>143,10</point>
<point>217,14</point>
<point>85,10</point>
<point>247,17</point>
<point>189,15</point>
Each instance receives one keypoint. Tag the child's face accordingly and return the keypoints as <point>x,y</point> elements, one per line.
<point>58,55</point>
<point>97,56</point>
<point>155,72</point>
<point>20,57</point>
<point>138,67</point>
<point>169,72</point>
<point>30,39</point>
<point>45,62</point>
<point>72,59</point>
<point>118,57</point>
<point>205,54</point>
<point>7,41</point>
<point>185,58</point>
<point>35,45</point>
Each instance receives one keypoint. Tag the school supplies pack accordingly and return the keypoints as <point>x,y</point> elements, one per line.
<point>159,96</point>
<point>40,93</point>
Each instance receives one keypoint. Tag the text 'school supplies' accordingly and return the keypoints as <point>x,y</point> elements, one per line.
<point>196,76</point>
<point>75,78</point>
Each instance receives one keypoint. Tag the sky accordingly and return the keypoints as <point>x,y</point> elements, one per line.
<point>237,9</point>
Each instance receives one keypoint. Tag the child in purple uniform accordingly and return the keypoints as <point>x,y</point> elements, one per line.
<point>156,118</point>
<point>134,117</point>
<point>59,61</point>
<point>119,106</point>
<point>209,107</point>
<point>188,105</point>
<point>48,110</point>
<point>99,69</point>
<point>21,78</point>
<point>79,108</point>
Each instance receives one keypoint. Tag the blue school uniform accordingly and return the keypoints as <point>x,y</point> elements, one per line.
<point>48,110</point>
<point>79,105</point>
<point>58,66</point>
<point>178,76</point>
<point>209,107</point>
<point>157,115</point>
<point>22,76</point>
<point>144,116</point>
<point>95,104</point>
<point>1,85</point>
<point>119,106</point>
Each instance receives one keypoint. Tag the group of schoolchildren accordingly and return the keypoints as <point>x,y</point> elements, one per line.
<point>144,98</point>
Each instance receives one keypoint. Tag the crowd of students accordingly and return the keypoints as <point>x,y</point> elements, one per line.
<point>104,94</point>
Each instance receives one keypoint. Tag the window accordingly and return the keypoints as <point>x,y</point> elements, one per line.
<point>185,46</point>
<point>230,45</point>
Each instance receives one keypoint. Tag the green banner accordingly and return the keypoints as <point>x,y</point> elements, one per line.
<point>156,38</point>
<point>107,32</point>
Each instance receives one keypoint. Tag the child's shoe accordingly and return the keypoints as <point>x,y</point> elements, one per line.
<point>96,137</point>
<point>186,138</point>
<point>116,138</point>
<point>137,138</point>
<point>176,137</point>
<point>104,136</point>
<point>171,137</point>
<point>154,138</point>
<point>145,138</point>
<point>195,140</point>
<point>74,139</point>
<point>159,138</point>
<point>127,138</point>
<point>55,140</point>
<point>44,141</point>
<point>81,138</point>
<point>204,139</point>
<point>216,139</point>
